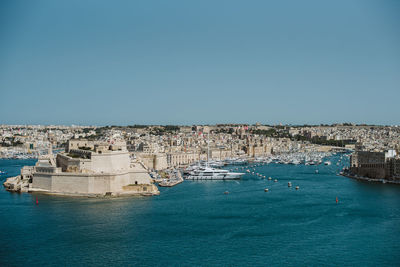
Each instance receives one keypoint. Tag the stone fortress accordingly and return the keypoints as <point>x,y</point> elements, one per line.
<point>86,168</point>
<point>375,165</point>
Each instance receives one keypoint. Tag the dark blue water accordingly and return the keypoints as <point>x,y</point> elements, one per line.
<point>195,223</point>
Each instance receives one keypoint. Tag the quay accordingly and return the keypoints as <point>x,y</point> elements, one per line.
<point>174,178</point>
<point>170,183</point>
<point>366,179</point>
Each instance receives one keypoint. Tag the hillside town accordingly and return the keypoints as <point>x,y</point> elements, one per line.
<point>375,148</point>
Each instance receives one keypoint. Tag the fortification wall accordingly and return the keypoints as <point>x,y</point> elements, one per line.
<point>108,162</point>
<point>42,181</point>
<point>80,183</point>
<point>70,184</point>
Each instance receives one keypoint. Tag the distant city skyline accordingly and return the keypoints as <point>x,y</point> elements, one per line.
<point>208,62</point>
<point>198,124</point>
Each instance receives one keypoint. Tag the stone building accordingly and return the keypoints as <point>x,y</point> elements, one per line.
<point>254,149</point>
<point>77,143</point>
<point>98,170</point>
<point>175,159</point>
<point>154,161</point>
<point>376,165</point>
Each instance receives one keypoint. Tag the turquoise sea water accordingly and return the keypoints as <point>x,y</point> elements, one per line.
<point>195,223</point>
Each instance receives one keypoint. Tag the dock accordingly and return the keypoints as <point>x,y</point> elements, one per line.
<point>170,183</point>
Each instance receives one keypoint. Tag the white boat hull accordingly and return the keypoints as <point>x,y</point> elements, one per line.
<point>203,177</point>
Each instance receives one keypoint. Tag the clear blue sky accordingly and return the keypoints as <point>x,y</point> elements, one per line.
<point>188,62</point>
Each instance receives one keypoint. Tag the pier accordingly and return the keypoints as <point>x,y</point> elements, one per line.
<point>170,183</point>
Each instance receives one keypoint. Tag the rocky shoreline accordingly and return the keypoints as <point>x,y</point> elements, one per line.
<point>18,185</point>
<point>367,179</point>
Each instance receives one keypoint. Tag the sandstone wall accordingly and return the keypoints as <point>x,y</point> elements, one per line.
<point>76,183</point>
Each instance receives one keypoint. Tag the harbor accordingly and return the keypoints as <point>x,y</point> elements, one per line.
<point>200,133</point>
<point>236,216</point>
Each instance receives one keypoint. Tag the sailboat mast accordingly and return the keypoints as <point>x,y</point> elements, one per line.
<point>208,148</point>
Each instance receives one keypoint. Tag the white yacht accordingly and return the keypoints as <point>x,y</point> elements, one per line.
<point>208,173</point>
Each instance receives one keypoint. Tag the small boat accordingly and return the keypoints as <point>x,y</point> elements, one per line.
<point>289,184</point>
<point>266,190</point>
<point>276,180</point>
<point>297,187</point>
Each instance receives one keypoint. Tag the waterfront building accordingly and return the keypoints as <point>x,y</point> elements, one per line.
<point>176,159</point>
<point>153,161</point>
<point>375,165</point>
<point>102,170</point>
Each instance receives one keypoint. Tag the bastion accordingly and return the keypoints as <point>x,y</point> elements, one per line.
<point>100,170</point>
